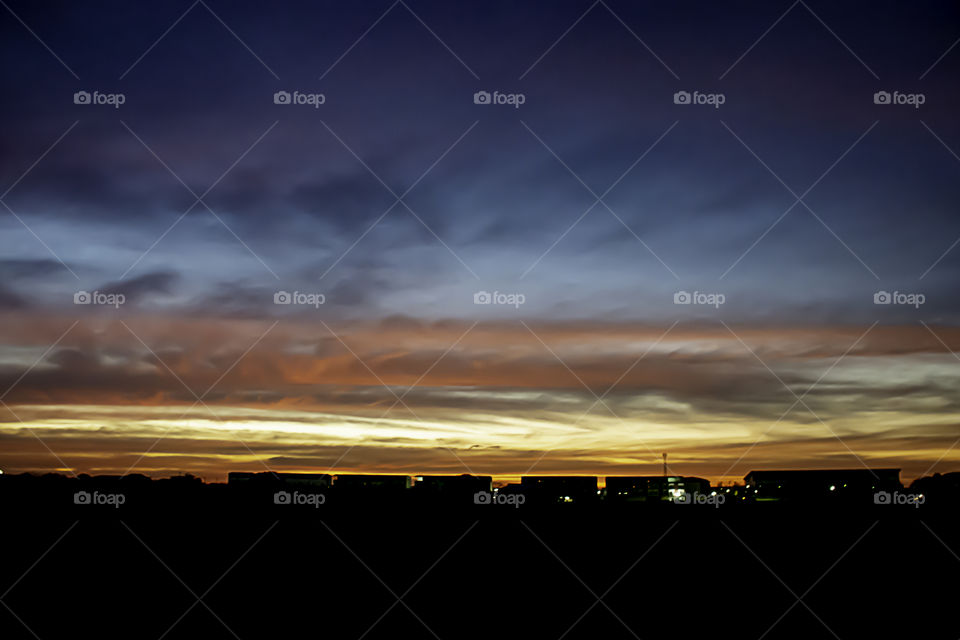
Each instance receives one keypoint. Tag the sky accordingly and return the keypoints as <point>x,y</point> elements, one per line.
<point>483,237</point>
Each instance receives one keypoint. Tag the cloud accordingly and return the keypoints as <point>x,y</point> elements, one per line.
<point>692,375</point>
<point>24,268</point>
<point>11,300</point>
<point>135,289</point>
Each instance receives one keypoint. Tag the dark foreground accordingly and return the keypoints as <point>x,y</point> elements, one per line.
<point>222,563</point>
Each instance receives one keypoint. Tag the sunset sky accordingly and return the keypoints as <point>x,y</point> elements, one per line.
<point>589,207</point>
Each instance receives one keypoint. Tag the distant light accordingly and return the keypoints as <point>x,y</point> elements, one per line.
<point>713,493</point>
<point>832,487</point>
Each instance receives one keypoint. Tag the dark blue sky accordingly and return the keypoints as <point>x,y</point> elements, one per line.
<point>599,98</point>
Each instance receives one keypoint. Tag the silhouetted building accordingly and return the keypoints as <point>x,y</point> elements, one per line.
<point>940,487</point>
<point>452,485</point>
<point>245,479</point>
<point>652,488</point>
<point>511,488</point>
<point>185,480</point>
<point>734,494</point>
<point>559,488</point>
<point>371,483</point>
<point>820,484</point>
